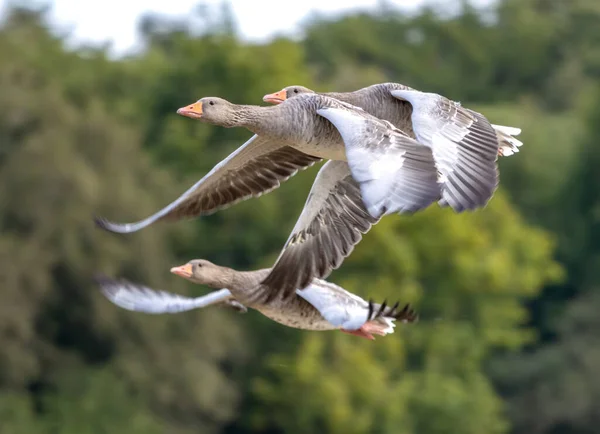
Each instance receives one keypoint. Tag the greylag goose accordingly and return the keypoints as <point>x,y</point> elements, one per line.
<point>376,169</point>
<point>320,306</point>
<point>465,145</point>
<point>375,100</point>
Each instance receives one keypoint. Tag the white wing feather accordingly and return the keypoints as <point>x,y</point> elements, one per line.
<point>139,298</point>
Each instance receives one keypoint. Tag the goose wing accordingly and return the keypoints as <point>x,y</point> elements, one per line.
<point>464,144</point>
<point>257,167</point>
<point>386,172</point>
<point>396,174</point>
<point>139,298</point>
<point>332,222</point>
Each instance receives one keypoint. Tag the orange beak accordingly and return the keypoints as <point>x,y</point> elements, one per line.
<point>276,98</point>
<point>183,270</point>
<point>193,111</point>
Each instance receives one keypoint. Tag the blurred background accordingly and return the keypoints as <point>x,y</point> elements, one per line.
<point>509,337</point>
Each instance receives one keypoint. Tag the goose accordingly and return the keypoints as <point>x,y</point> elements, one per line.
<point>465,145</point>
<point>375,99</point>
<point>320,306</point>
<point>374,169</point>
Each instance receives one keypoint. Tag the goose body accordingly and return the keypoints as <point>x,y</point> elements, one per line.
<point>320,306</point>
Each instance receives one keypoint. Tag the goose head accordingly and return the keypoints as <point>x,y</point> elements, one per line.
<point>286,93</point>
<point>202,272</point>
<point>211,109</point>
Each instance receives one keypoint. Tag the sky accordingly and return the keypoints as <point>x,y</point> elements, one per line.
<point>116,20</point>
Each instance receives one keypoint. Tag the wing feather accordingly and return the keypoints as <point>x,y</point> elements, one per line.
<point>256,168</point>
<point>332,222</point>
<point>464,144</point>
<point>140,298</point>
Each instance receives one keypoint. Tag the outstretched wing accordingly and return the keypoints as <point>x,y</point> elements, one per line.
<point>257,167</point>
<point>396,174</point>
<point>464,144</point>
<point>332,222</point>
<point>139,298</point>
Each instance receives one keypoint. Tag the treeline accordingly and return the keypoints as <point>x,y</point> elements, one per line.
<point>508,296</point>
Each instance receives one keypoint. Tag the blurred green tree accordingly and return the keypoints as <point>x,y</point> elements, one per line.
<point>470,274</point>
<point>553,388</point>
<point>81,134</point>
<point>60,163</point>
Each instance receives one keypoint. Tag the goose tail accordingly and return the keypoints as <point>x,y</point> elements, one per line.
<point>382,317</point>
<point>508,144</point>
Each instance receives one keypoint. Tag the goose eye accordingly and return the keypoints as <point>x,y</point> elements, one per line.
<point>295,90</point>
<point>211,102</point>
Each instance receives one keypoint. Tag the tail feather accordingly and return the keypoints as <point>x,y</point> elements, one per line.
<point>508,144</point>
<point>387,325</point>
<point>381,317</point>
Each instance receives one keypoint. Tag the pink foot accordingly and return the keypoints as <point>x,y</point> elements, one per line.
<point>360,332</point>
<point>376,328</point>
<point>369,329</point>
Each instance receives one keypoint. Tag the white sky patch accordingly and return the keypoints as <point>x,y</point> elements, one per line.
<point>116,21</point>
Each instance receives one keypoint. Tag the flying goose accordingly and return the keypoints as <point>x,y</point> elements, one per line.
<point>375,169</point>
<point>375,100</point>
<point>465,145</point>
<point>320,306</point>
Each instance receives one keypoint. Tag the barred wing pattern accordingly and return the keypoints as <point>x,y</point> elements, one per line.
<point>464,144</point>
<point>332,222</point>
<point>396,174</point>
<point>256,168</point>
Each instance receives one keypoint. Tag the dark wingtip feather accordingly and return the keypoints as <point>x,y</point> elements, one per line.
<point>106,285</point>
<point>101,222</point>
<point>101,279</point>
<point>407,314</point>
<point>116,228</point>
<point>381,308</point>
<point>109,283</point>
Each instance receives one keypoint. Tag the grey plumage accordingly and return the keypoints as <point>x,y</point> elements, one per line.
<point>298,136</point>
<point>259,166</point>
<point>464,145</point>
<point>464,139</point>
<point>321,306</point>
<point>320,229</point>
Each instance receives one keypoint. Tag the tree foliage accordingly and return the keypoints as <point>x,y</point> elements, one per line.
<point>469,304</point>
<point>507,294</point>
